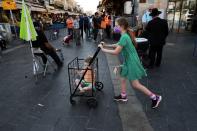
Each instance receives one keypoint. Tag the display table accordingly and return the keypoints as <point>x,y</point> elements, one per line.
<point>141,40</point>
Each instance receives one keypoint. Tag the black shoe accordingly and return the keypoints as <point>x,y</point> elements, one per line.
<point>120,98</point>
<point>150,67</point>
<point>155,103</point>
<point>60,64</point>
<point>157,65</point>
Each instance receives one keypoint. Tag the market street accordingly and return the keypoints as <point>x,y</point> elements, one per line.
<point>45,106</point>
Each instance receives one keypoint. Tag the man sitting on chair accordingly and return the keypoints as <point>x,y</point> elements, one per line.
<point>44,45</point>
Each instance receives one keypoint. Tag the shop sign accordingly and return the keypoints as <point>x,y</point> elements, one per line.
<point>9,5</point>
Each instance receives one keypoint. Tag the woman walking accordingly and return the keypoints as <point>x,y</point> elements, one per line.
<point>131,68</point>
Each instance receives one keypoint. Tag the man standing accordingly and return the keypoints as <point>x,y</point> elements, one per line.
<point>157,29</point>
<point>146,17</point>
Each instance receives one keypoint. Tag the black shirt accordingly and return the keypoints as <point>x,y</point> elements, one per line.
<point>39,42</point>
<point>158,31</point>
<point>96,22</point>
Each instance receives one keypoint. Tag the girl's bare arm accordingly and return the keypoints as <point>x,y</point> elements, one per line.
<point>109,45</point>
<point>115,51</point>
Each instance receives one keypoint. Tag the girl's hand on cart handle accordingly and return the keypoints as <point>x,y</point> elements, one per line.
<point>102,43</point>
<point>101,46</point>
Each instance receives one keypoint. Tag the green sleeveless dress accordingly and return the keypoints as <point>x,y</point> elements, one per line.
<point>132,68</point>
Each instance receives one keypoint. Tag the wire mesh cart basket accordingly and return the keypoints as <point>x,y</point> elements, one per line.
<point>84,79</point>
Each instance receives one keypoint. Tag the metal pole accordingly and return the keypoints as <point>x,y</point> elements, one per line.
<point>13,23</point>
<point>174,16</point>
<point>133,14</point>
<point>181,7</point>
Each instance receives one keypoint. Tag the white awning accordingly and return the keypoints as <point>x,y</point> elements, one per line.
<point>56,11</point>
<point>33,8</point>
<point>49,7</point>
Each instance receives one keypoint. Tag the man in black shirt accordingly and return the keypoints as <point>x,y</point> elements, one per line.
<point>44,45</point>
<point>96,25</point>
<point>86,25</point>
<point>157,30</point>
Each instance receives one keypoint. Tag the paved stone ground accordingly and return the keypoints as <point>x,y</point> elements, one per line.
<point>21,99</point>
<point>175,80</point>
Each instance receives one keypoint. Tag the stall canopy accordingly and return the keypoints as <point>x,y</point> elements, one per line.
<point>57,11</point>
<point>38,9</point>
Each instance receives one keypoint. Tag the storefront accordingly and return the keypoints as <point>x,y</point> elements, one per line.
<point>180,14</point>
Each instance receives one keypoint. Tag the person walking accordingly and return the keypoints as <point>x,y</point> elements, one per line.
<point>81,24</point>
<point>69,23</point>
<point>103,27</point>
<point>131,68</point>
<point>76,30</point>
<point>157,30</point>
<point>96,25</point>
<point>108,25</point>
<point>86,26</point>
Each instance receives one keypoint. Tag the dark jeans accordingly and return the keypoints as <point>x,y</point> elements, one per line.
<point>108,31</point>
<point>3,44</point>
<point>53,55</point>
<point>77,36</point>
<point>81,28</point>
<point>155,52</point>
<point>87,30</point>
<point>70,31</point>
<point>95,32</point>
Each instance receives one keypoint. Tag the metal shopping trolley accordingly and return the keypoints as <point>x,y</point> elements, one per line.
<point>76,66</point>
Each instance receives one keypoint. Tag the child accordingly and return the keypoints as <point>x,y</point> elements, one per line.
<point>86,83</point>
<point>67,39</point>
<point>131,68</point>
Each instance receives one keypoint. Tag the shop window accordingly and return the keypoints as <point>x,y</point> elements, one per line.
<point>142,1</point>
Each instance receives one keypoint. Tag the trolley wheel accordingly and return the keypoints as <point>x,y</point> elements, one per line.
<point>73,102</point>
<point>92,103</point>
<point>99,86</point>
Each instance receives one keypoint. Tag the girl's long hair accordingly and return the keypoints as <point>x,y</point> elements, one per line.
<point>124,23</point>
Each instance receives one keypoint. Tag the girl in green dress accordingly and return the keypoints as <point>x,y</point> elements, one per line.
<point>131,68</point>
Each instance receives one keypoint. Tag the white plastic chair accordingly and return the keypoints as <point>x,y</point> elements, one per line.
<point>37,52</point>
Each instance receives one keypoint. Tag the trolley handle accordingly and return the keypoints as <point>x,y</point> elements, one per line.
<point>94,56</point>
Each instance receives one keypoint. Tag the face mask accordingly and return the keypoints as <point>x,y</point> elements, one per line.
<point>117,29</point>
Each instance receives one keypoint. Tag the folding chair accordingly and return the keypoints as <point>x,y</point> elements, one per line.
<point>38,56</point>
<point>195,48</point>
